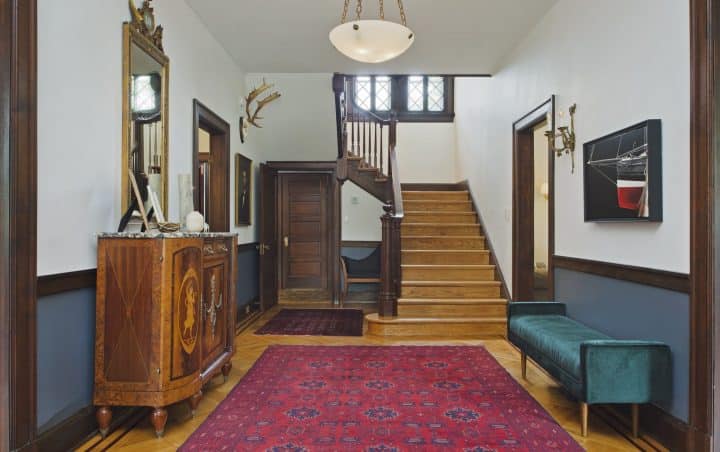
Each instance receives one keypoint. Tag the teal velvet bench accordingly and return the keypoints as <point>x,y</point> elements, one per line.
<point>593,367</point>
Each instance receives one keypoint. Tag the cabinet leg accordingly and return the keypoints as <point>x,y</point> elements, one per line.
<point>158,418</point>
<point>226,368</point>
<point>194,401</point>
<point>104,417</point>
<point>584,418</point>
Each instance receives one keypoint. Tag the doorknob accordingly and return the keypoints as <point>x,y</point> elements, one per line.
<point>286,240</point>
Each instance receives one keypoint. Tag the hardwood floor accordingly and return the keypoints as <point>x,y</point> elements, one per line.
<point>138,434</point>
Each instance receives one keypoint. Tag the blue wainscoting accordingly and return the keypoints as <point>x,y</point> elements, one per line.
<point>628,310</point>
<point>65,355</point>
<point>248,268</point>
<point>360,252</point>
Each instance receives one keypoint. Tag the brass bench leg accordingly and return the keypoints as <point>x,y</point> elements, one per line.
<point>635,408</point>
<point>523,365</point>
<point>584,418</point>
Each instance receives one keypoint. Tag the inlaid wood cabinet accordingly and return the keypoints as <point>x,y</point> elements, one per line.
<point>165,312</point>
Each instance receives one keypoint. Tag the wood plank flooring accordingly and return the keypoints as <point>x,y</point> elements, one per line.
<point>138,434</point>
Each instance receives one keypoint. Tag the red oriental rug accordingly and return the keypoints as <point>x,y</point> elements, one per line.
<point>305,398</point>
<point>315,322</point>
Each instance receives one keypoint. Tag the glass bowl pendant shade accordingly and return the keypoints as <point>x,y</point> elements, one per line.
<point>372,41</point>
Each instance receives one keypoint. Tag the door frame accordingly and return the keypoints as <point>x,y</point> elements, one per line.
<point>335,215</point>
<point>18,222</point>
<point>523,195</point>
<point>219,130</point>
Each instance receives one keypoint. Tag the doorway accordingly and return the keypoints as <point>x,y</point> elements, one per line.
<point>533,205</point>
<point>299,233</point>
<point>211,167</point>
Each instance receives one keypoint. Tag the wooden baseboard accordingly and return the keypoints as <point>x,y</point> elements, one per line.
<point>657,427</point>
<point>360,244</point>
<point>433,187</point>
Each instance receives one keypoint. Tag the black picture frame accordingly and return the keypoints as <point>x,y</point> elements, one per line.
<point>243,190</point>
<point>622,175</point>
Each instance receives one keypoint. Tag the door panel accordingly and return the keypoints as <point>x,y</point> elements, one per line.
<point>268,238</point>
<point>304,230</point>
<point>214,306</point>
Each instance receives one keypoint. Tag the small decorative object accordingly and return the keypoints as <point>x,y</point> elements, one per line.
<point>568,138</point>
<point>169,227</point>
<point>157,207</point>
<point>185,191</point>
<point>623,175</point>
<point>243,190</point>
<point>138,203</point>
<point>372,41</point>
<point>252,118</point>
<point>143,21</point>
<point>195,222</point>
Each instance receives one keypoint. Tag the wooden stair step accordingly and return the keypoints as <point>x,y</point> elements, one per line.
<point>436,195</point>
<point>466,327</point>
<point>448,272</point>
<point>438,206</point>
<point>440,229</point>
<point>381,179</point>
<point>419,242</point>
<point>440,217</point>
<point>452,307</point>
<point>445,257</point>
<point>451,289</point>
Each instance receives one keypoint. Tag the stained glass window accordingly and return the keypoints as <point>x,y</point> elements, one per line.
<point>383,93</point>
<point>436,94</point>
<point>363,92</point>
<point>416,93</point>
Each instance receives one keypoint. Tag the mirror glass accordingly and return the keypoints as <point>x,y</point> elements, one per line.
<point>146,118</point>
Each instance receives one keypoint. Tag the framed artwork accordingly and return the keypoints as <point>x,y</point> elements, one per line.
<point>623,175</point>
<point>243,190</point>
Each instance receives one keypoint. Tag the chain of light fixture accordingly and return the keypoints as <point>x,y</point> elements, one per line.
<point>359,9</point>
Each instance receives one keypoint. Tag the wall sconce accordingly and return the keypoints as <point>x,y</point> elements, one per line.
<point>545,190</point>
<point>568,138</point>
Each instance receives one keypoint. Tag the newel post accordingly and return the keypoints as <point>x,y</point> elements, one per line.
<point>387,302</point>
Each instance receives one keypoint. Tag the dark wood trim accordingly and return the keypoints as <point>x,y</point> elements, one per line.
<point>704,34</point>
<point>504,292</point>
<point>219,130</point>
<point>245,247</point>
<point>79,428</point>
<point>65,282</point>
<point>18,221</point>
<point>300,166</point>
<point>677,282</point>
<point>360,244</point>
<point>434,187</point>
<point>664,428</point>
<point>524,205</point>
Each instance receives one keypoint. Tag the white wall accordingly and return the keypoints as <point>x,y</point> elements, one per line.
<point>361,214</point>
<point>80,118</point>
<point>620,68</point>
<point>426,152</point>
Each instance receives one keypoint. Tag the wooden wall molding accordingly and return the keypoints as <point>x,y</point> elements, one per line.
<point>360,244</point>
<point>677,282</point>
<point>65,282</point>
<point>245,247</point>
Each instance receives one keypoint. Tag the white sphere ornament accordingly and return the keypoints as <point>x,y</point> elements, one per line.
<point>372,41</point>
<point>194,222</point>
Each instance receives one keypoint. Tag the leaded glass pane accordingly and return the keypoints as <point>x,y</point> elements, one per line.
<point>416,93</point>
<point>144,98</point>
<point>383,90</point>
<point>362,92</point>
<point>436,94</point>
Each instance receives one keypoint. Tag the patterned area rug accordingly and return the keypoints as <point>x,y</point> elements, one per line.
<point>315,322</point>
<point>305,398</point>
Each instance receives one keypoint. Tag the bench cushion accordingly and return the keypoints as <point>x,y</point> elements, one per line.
<point>558,337</point>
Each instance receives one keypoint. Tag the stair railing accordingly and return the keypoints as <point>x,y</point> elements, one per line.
<point>363,135</point>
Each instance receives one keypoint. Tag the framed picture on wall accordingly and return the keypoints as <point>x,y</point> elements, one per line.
<point>243,190</point>
<point>623,175</point>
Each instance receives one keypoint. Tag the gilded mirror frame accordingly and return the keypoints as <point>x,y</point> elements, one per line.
<point>131,36</point>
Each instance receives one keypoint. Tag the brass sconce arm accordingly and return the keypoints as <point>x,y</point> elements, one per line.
<point>567,134</point>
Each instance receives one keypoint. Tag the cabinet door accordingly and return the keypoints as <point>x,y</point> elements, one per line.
<point>186,297</point>
<point>215,310</point>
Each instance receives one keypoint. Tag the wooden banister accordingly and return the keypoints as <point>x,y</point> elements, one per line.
<point>362,136</point>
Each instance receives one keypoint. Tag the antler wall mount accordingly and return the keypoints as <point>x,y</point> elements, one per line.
<point>252,118</point>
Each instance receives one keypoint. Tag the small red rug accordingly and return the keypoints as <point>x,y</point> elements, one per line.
<point>315,322</point>
<point>305,398</point>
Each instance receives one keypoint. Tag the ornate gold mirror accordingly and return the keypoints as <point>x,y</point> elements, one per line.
<point>145,105</point>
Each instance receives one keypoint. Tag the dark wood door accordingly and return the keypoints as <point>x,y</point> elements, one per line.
<point>268,238</point>
<point>304,231</point>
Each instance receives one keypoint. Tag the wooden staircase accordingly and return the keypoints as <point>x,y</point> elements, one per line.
<point>449,288</point>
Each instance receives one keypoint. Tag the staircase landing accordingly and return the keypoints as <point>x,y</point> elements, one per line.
<point>449,287</point>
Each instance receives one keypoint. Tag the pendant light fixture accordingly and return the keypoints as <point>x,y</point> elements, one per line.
<point>372,40</point>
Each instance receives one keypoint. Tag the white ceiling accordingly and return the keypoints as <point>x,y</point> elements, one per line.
<point>452,36</point>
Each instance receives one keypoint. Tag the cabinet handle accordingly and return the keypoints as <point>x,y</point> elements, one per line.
<point>287,241</point>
